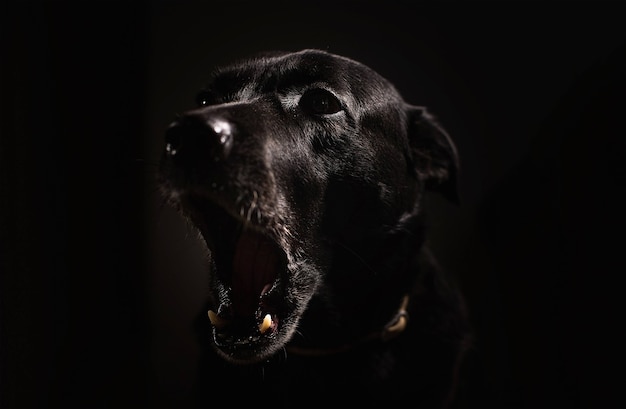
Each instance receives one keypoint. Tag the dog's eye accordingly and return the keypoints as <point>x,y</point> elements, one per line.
<point>204,98</point>
<point>319,101</point>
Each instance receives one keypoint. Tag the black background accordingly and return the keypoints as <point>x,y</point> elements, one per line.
<point>99,287</point>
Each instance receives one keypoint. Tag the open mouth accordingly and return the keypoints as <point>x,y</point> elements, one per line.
<point>247,283</point>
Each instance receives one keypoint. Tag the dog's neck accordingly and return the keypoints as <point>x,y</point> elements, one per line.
<point>394,265</point>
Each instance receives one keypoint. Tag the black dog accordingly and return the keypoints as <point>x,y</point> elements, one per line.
<point>304,173</point>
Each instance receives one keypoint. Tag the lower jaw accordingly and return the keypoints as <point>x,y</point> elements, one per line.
<point>245,340</point>
<point>246,354</point>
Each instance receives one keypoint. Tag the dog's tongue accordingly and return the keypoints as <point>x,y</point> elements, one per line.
<point>254,267</point>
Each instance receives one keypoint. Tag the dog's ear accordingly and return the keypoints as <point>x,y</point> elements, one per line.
<point>433,154</point>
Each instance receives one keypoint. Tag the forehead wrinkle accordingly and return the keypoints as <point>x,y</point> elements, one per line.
<point>299,70</point>
<point>304,66</point>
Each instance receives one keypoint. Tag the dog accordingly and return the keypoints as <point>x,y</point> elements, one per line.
<point>305,172</point>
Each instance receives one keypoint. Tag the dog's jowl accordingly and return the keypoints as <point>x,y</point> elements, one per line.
<point>304,173</point>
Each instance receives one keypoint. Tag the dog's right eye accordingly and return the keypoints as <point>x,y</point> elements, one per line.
<point>204,98</point>
<point>319,101</point>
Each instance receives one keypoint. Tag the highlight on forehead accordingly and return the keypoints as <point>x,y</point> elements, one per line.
<point>282,69</point>
<point>294,69</point>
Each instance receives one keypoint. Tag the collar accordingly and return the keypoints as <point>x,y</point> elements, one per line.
<point>394,327</point>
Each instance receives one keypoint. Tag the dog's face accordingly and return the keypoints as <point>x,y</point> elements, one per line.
<point>287,158</point>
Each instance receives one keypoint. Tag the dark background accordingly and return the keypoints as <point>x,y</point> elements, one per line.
<point>98,281</point>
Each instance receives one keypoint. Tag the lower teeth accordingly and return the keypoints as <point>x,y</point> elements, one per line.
<point>216,320</point>
<point>266,324</point>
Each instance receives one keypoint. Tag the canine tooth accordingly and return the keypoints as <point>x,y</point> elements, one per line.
<point>216,320</point>
<point>266,324</point>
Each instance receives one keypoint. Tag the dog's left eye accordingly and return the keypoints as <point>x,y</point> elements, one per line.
<point>319,101</point>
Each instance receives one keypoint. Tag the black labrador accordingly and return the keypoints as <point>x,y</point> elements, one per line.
<point>304,172</point>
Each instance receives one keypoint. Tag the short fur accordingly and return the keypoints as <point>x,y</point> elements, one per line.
<point>304,172</point>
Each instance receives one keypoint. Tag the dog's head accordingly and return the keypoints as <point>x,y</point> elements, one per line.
<point>291,165</point>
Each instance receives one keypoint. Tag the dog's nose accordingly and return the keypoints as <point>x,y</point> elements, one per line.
<point>195,136</point>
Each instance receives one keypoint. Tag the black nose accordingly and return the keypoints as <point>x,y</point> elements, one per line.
<point>194,136</point>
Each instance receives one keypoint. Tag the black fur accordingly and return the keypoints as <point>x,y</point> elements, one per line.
<point>317,161</point>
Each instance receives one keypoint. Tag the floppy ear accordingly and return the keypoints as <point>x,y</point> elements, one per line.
<point>433,154</point>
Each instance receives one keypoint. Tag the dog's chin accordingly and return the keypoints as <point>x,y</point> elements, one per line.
<point>249,347</point>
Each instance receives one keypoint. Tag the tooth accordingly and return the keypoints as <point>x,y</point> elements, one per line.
<point>266,324</point>
<point>216,320</point>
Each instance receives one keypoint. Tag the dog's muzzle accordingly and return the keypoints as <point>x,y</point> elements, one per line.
<point>214,171</point>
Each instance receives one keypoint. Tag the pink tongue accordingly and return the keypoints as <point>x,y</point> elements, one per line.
<point>254,266</point>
